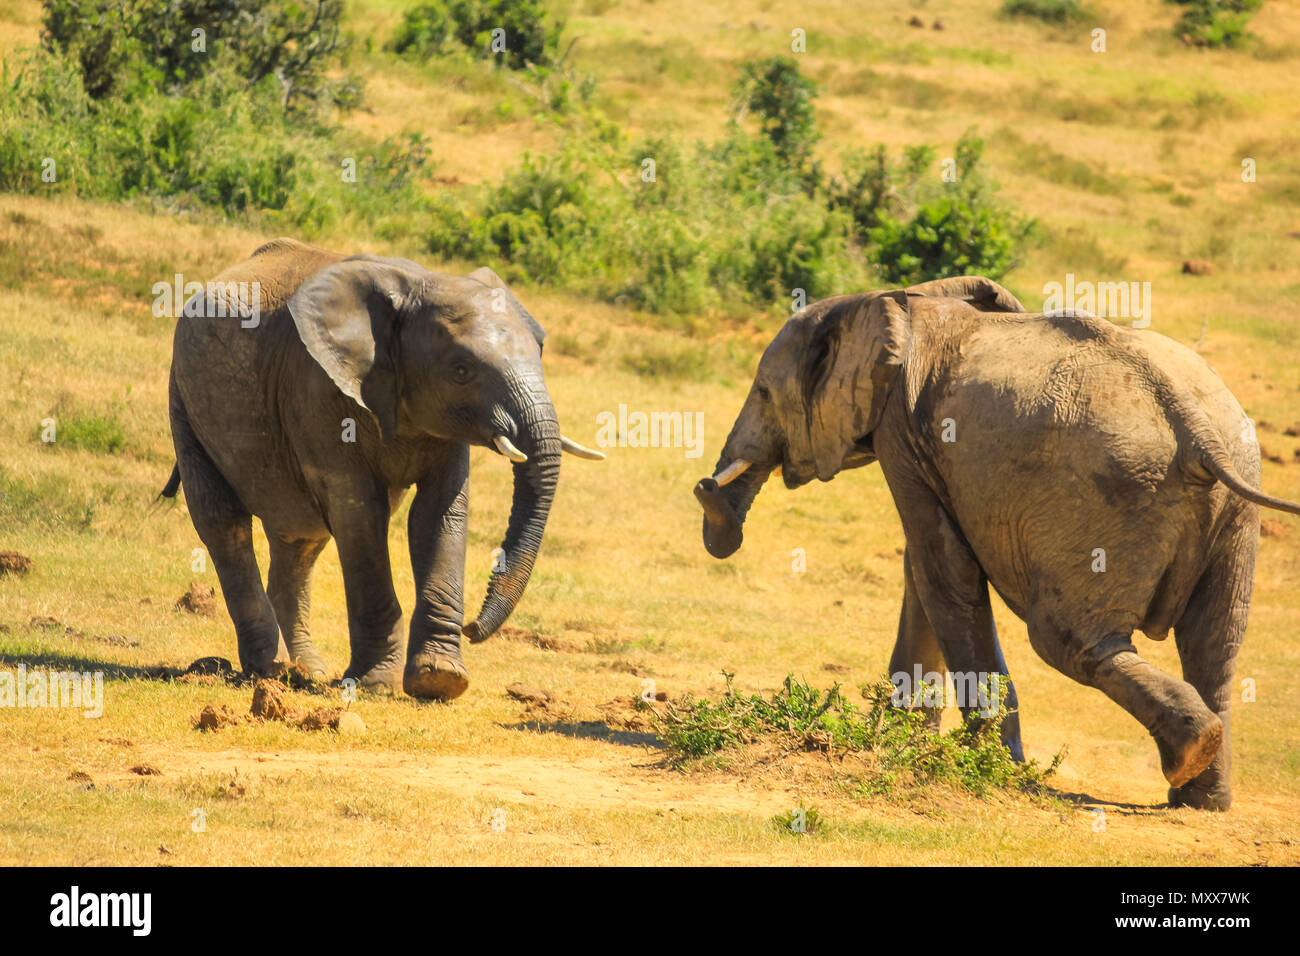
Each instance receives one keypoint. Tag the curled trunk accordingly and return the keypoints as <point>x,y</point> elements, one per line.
<point>725,508</point>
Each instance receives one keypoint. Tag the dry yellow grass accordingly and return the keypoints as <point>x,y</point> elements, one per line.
<point>623,579</point>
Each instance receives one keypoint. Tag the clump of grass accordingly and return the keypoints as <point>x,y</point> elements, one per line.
<point>102,434</point>
<point>892,745</point>
<point>800,821</point>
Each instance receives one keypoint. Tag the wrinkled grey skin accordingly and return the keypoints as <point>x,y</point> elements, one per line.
<point>424,365</point>
<point>1071,435</point>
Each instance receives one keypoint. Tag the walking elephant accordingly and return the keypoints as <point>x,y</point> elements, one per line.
<point>1102,479</point>
<point>312,390</point>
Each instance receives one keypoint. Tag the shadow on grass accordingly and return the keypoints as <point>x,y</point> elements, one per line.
<point>112,670</point>
<point>117,671</point>
<point>589,730</point>
<point>1085,800</point>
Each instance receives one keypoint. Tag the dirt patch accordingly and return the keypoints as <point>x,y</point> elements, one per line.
<point>199,599</point>
<point>545,642</point>
<point>11,562</point>
<point>635,714</point>
<point>146,770</point>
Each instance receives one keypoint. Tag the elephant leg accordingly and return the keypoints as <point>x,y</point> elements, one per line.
<point>360,527</point>
<point>1186,732</point>
<point>289,587</point>
<point>917,647</point>
<point>954,593</point>
<point>1208,635</point>
<point>437,526</point>
<point>226,529</point>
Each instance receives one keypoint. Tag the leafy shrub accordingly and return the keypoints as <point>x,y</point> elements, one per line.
<point>532,32</point>
<point>1215,23</point>
<point>241,154</point>
<point>125,45</point>
<point>775,91</point>
<point>894,744</point>
<point>1061,12</point>
<point>920,230</point>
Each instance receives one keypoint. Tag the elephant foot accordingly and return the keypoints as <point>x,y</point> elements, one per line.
<point>259,644</point>
<point>1188,747</point>
<point>311,661</point>
<point>1201,798</point>
<point>382,676</point>
<point>435,677</point>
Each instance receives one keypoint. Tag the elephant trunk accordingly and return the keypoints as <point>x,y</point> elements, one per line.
<point>725,507</point>
<point>534,490</point>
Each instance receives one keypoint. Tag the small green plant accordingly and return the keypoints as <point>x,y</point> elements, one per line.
<point>894,746</point>
<point>1215,23</point>
<point>100,433</point>
<point>1061,12</point>
<point>801,821</point>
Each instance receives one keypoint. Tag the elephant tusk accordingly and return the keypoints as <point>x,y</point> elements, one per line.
<point>578,451</point>
<point>732,472</point>
<point>509,450</point>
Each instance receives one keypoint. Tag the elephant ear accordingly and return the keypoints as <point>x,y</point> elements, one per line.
<point>857,353</point>
<point>494,281</point>
<point>347,315</point>
<point>984,294</point>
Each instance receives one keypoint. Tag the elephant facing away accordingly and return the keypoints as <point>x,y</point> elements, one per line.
<point>357,378</point>
<point>1103,480</point>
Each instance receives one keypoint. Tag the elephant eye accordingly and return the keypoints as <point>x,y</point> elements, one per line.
<point>460,371</point>
<point>764,394</point>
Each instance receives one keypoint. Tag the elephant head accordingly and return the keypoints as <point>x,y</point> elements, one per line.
<point>453,357</point>
<point>820,391</point>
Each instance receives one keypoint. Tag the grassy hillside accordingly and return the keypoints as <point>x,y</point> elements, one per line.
<point>1130,159</point>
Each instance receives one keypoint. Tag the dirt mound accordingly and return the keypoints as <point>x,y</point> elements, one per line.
<point>217,717</point>
<point>11,562</point>
<point>199,599</point>
<point>269,703</point>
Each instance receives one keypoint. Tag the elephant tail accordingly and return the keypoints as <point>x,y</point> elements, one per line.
<point>173,484</point>
<point>1220,464</point>
<point>1207,445</point>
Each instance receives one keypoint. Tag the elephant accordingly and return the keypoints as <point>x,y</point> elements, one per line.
<point>1103,480</point>
<point>316,406</point>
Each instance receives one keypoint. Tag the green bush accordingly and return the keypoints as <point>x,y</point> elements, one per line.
<point>531,31</point>
<point>241,154</point>
<point>1215,23</point>
<point>776,92</point>
<point>126,46</point>
<point>1061,12</point>
<point>928,230</point>
<point>893,745</point>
